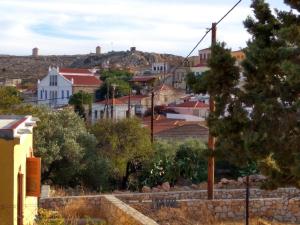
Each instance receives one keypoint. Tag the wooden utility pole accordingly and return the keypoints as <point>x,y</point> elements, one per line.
<point>113,102</point>
<point>152,115</point>
<point>129,104</point>
<point>211,139</point>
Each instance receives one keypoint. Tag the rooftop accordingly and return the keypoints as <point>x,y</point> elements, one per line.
<point>192,104</point>
<point>13,126</point>
<point>109,102</point>
<point>83,80</point>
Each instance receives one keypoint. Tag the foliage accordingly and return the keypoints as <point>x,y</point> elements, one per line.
<point>191,162</point>
<point>160,168</point>
<point>125,143</point>
<point>272,92</point>
<point>9,96</point>
<point>61,139</point>
<point>117,77</point>
<point>97,173</point>
<point>172,161</point>
<point>78,100</point>
<point>259,122</point>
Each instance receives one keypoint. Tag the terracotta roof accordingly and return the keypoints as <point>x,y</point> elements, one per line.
<point>83,80</point>
<point>143,78</point>
<point>192,104</point>
<point>133,98</point>
<point>167,127</point>
<point>75,70</point>
<point>109,102</point>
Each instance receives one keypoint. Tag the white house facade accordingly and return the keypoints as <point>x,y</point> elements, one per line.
<point>54,90</point>
<point>106,109</point>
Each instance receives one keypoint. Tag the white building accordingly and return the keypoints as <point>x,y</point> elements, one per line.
<point>159,67</point>
<point>104,109</point>
<point>56,88</point>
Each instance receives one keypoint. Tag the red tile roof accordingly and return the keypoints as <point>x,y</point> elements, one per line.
<point>83,80</point>
<point>109,102</point>
<point>133,98</point>
<point>161,123</point>
<point>192,104</point>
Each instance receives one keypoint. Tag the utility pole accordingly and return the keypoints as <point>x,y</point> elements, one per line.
<point>129,104</point>
<point>152,114</point>
<point>211,139</point>
<point>113,102</point>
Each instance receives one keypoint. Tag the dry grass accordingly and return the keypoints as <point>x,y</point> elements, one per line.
<point>192,216</point>
<point>80,209</point>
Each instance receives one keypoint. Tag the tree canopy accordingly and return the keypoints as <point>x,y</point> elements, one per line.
<point>260,122</point>
<point>9,96</point>
<point>78,100</point>
<point>119,78</point>
<point>124,142</point>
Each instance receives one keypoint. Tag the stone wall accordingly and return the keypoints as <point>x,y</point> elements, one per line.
<point>281,210</point>
<point>218,193</point>
<point>282,204</point>
<point>114,211</point>
<point>118,213</point>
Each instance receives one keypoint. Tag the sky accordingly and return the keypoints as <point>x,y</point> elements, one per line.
<point>78,26</point>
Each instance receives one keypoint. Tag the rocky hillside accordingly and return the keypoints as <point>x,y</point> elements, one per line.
<point>125,59</point>
<point>31,68</point>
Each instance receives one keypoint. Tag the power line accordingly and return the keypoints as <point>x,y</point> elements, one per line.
<point>207,32</point>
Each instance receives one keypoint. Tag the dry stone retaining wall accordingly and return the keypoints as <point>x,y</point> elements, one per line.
<point>218,193</point>
<point>113,210</point>
<point>282,205</point>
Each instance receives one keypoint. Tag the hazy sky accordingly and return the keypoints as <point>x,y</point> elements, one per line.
<point>78,26</point>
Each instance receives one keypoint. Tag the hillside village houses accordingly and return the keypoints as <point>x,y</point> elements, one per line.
<point>59,84</point>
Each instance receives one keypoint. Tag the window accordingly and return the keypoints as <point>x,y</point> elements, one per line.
<point>41,94</point>
<point>96,114</point>
<point>62,94</point>
<point>46,95</point>
<point>154,68</point>
<point>53,80</point>
<point>161,68</point>
<point>200,56</point>
<point>68,94</point>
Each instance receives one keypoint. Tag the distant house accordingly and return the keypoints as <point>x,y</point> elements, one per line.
<point>194,108</point>
<point>111,108</point>
<point>159,67</point>
<point>59,84</point>
<point>139,103</point>
<point>175,129</point>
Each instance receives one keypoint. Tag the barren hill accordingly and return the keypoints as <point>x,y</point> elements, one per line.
<point>31,68</point>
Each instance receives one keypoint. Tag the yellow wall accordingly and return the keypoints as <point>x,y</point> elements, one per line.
<point>6,182</point>
<point>13,156</point>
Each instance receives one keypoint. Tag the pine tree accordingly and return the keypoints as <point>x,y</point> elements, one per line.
<point>272,93</point>
<point>260,122</point>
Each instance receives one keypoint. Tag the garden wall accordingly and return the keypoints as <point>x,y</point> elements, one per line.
<point>218,193</point>
<point>281,210</point>
<point>114,211</point>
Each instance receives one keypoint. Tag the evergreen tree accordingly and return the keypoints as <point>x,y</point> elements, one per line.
<point>260,122</point>
<point>272,92</point>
